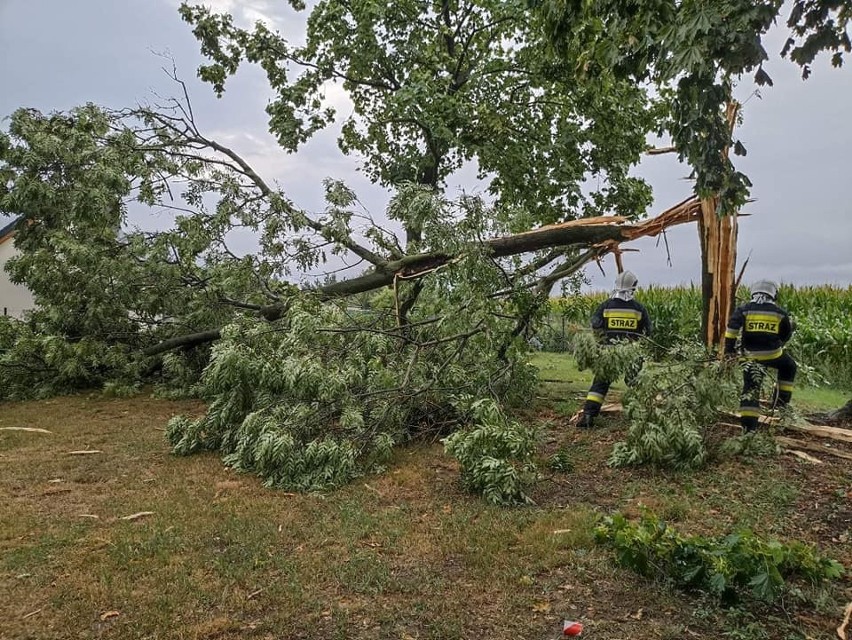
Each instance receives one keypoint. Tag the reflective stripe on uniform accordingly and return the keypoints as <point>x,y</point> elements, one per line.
<point>785,385</point>
<point>762,322</point>
<point>622,318</point>
<point>763,314</point>
<point>592,396</point>
<point>732,333</point>
<point>763,355</point>
<point>749,412</point>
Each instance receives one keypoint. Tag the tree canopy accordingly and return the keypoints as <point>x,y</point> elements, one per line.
<point>436,84</point>
<point>433,85</point>
<point>693,53</point>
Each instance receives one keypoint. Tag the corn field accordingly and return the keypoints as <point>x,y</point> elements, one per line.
<point>822,342</point>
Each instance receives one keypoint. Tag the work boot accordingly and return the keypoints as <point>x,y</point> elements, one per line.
<point>586,421</point>
<point>749,424</point>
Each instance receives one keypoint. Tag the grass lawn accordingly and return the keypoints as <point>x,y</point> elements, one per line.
<point>562,369</point>
<point>406,554</point>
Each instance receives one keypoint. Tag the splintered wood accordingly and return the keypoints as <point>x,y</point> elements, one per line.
<point>719,258</point>
<point>28,429</point>
<point>803,456</point>
<point>718,235</point>
<point>847,614</point>
<point>801,444</point>
<point>684,212</point>
<point>822,431</point>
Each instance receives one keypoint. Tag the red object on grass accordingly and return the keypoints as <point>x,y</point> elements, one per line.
<point>570,628</point>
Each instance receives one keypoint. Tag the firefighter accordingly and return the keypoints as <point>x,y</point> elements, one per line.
<point>618,318</point>
<point>764,328</point>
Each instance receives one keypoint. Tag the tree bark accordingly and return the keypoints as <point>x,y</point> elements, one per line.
<point>718,262</point>
<point>190,340</point>
<point>718,237</point>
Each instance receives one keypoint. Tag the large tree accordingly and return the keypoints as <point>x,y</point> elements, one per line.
<point>433,85</point>
<point>694,53</point>
<point>299,379</point>
<point>306,391</point>
<point>436,84</point>
<point>304,388</point>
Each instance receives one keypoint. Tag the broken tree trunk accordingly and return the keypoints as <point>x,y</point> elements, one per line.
<point>801,444</point>
<point>718,235</point>
<point>822,431</point>
<point>718,260</point>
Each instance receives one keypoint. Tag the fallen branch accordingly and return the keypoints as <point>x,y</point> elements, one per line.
<point>602,234</point>
<point>137,516</point>
<point>32,613</point>
<point>84,452</point>
<point>801,444</point>
<point>823,431</point>
<point>187,341</point>
<point>841,630</point>
<point>803,456</point>
<point>30,429</point>
<point>818,430</point>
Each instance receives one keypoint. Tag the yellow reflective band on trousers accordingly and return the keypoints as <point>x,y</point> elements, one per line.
<point>783,385</point>
<point>595,397</point>
<point>732,333</point>
<point>762,322</point>
<point>749,412</point>
<point>622,318</point>
<point>763,355</point>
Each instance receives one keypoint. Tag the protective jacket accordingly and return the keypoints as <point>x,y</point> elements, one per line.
<point>617,319</point>
<point>764,327</point>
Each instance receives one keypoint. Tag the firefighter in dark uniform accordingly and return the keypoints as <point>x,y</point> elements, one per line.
<point>618,318</point>
<point>764,328</point>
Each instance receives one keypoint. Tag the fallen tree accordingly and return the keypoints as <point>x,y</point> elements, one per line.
<point>309,385</point>
<point>599,235</point>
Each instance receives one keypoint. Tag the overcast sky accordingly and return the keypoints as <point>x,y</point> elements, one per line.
<point>56,54</point>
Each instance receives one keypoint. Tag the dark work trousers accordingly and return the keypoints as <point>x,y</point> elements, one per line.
<point>598,390</point>
<point>753,372</point>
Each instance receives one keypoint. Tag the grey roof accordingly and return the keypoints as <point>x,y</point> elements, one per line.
<point>7,229</point>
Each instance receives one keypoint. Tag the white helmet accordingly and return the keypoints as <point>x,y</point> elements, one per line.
<point>766,287</point>
<point>626,281</point>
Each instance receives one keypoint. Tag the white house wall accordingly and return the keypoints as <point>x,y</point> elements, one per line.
<point>14,299</point>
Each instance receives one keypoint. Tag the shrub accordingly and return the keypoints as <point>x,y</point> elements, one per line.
<point>731,567</point>
<point>321,397</point>
<point>495,453</point>
<point>670,407</point>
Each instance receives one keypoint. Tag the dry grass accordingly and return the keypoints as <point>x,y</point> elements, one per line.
<point>401,555</point>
